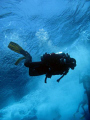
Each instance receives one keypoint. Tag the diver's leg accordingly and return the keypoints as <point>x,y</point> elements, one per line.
<point>28,59</point>
<point>36,68</point>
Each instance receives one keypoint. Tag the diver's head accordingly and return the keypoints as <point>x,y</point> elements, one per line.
<point>72,63</point>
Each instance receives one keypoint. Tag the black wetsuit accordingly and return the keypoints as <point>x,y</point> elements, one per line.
<point>50,64</point>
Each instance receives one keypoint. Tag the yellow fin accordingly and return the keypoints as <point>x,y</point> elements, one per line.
<point>15,47</point>
<point>18,61</point>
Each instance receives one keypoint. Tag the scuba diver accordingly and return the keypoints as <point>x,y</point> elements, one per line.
<point>50,64</point>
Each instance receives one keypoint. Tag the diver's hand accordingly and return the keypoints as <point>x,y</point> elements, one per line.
<point>58,80</point>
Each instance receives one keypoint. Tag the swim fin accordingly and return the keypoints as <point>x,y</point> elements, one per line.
<point>15,47</point>
<point>18,61</point>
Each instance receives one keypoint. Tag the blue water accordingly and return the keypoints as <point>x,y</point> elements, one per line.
<point>41,26</point>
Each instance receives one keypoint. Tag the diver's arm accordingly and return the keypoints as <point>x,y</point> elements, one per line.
<point>64,73</point>
<point>60,78</point>
<point>48,75</point>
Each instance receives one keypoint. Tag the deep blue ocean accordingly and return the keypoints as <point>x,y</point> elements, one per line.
<point>41,26</point>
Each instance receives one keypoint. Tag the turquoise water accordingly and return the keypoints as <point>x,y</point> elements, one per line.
<point>41,26</point>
